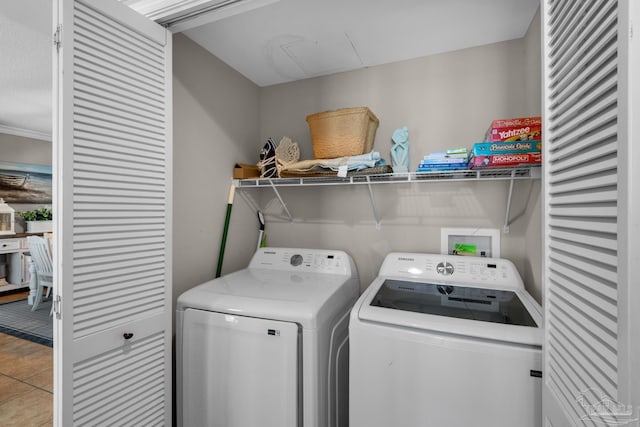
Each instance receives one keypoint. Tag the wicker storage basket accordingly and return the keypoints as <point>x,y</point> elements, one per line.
<point>343,132</point>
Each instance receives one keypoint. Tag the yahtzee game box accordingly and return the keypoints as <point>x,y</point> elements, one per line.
<point>517,129</point>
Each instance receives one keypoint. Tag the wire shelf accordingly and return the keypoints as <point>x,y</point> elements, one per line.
<point>485,174</point>
<point>488,174</point>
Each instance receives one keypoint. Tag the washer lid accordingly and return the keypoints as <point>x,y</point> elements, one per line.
<point>306,298</point>
<point>462,302</point>
<point>496,314</point>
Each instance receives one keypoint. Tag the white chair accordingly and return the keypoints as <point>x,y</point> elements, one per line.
<point>41,257</point>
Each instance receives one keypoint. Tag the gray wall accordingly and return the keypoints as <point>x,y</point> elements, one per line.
<point>24,150</point>
<point>215,122</point>
<point>446,100</point>
<point>532,268</point>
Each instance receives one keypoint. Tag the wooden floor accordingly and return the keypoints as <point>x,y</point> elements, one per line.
<point>26,380</point>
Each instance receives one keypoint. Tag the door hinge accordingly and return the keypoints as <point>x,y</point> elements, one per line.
<point>57,38</point>
<point>56,307</point>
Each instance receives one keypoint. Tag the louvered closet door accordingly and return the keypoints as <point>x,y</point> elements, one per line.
<point>112,205</point>
<point>587,277</point>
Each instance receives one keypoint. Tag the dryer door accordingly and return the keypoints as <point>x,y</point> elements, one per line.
<point>239,371</point>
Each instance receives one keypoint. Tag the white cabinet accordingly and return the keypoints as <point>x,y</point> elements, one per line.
<point>16,268</point>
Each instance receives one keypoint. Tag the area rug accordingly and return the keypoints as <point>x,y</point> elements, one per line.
<point>17,319</point>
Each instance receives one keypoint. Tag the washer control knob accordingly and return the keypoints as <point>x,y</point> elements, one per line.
<point>296,260</point>
<point>445,268</point>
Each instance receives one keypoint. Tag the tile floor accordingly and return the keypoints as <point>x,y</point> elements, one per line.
<point>26,383</point>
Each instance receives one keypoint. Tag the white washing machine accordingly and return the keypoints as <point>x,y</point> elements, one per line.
<point>268,345</point>
<point>445,341</point>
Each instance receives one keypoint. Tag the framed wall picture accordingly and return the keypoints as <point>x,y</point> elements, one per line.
<point>483,242</point>
<point>25,183</point>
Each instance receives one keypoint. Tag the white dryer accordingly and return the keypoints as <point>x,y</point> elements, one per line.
<point>445,341</point>
<point>268,345</point>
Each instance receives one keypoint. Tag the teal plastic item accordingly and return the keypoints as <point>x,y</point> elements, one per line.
<point>400,150</point>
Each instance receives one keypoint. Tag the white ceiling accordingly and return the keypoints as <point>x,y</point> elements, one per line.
<point>282,41</point>
<point>25,67</point>
<point>297,39</point>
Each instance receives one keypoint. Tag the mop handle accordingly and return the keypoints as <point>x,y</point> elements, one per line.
<point>261,232</point>
<point>223,243</point>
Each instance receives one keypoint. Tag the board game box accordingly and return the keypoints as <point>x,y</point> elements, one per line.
<point>516,147</point>
<point>503,160</point>
<point>517,129</point>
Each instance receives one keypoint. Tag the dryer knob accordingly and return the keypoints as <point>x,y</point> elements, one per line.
<point>296,260</point>
<point>445,268</point>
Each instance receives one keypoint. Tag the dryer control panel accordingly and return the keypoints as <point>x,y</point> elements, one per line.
<point>452,268</point>
<point>309,260</point>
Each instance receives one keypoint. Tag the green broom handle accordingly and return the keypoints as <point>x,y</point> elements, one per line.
<point>223,243</point>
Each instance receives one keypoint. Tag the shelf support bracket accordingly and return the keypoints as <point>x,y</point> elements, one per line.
<point>374,205</point>
<point>284,206</point>
<point>505,227</point>
<point>253,205</point>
